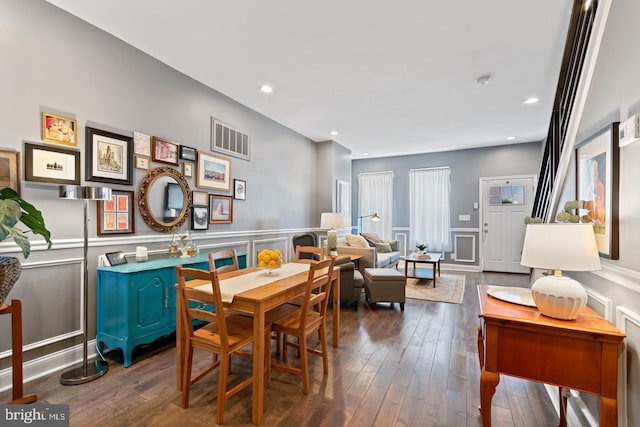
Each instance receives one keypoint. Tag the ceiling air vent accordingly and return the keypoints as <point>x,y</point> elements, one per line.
<point>229,140</point>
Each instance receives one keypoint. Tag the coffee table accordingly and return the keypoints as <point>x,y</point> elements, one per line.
<point>423,273</point>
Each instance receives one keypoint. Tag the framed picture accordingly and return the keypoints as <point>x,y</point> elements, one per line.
<point>141,143</point>
<point>239,189</point>
<point>187,170</point>
<point>108,157</point>
<point>597,176</point>
<point>142,162</point>
<point>52,165</point>
<point>343,198</point>
<point>116,258</point>
<point>188,153</point>
<point>10,170</point>
<point>213,172</point>
<point>58,129</point>
<point>200,218</point>
<point>220,209</point>
<point>115,216</point>
<point>200,198</point>
<point>164,151</point>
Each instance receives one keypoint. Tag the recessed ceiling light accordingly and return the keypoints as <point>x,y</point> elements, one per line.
<point>334,132</point>
<point>531,100</point>
<point>484,79</point>
<point>266,88</point>
<point>511,138</point>
<point>365,154</point>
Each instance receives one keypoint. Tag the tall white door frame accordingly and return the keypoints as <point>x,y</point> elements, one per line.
<point>483,207</point>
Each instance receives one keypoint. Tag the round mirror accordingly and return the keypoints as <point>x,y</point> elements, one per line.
<point>164,199</point>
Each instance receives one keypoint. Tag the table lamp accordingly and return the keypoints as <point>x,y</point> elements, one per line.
<point>558,247</point>
<point>330,221</point>
<point>86,372</point>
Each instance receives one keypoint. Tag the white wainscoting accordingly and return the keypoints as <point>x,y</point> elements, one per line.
<point>628,321</point>
<point>457,241</point>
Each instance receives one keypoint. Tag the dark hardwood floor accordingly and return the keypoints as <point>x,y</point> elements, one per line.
<point>417,368</point>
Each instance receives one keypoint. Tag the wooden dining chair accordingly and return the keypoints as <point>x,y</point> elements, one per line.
<point>215,256</point>
<point>304,321</point>
<point>308,254</point>
<point>223,335</point>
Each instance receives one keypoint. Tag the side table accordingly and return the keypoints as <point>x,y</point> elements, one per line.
<point>15,310</point>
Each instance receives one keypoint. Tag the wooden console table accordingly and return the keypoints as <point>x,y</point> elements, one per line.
<point>15,310</point>
<point>581,354</point>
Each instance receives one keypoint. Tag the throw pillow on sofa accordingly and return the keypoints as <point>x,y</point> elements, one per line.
<point>356,241</point>
<point>383,247</point>
<point>372,238</point>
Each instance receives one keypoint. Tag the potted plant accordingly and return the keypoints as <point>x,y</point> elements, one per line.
<point>421,248</point>
<point>14,210</point>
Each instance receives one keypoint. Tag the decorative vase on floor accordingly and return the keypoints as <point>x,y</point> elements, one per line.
<point>10,269</point>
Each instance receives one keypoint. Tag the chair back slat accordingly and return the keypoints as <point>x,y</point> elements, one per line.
<point>318,280</point>
<point>215,256</point>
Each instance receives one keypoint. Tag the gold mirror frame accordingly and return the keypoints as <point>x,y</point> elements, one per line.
<point>143,199</point>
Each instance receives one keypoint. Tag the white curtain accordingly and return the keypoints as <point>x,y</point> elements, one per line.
<point>375,195</point>
<point>429,218</point>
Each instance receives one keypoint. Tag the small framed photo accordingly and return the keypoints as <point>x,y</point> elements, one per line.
<point>200,218</point>
<point>10,170</point>
<point>220,209</point>
<point>108,157</point>
<point>164,151</point>
<point>187,170</point>
<point>52,165</point>
<point>200,198</point>
<point>213,172</point>
<point>188,153</point>
<point>239,189</point>
<point>116,258</point>
<point>115,216</point>
<point>59,129</point>
<point>141,143</point>
<point>142,162</point>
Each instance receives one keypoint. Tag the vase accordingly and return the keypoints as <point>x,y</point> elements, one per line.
<point>10,269</point>
<point>173,247</point>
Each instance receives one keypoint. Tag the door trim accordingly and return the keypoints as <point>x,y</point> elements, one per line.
<point>481,182</point>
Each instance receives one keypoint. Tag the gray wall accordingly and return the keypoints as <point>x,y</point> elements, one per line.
<point>54,62</point>
<point>613,95</point>
<point>467,166</point>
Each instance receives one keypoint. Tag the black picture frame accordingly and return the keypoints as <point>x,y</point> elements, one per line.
<point>108,157</point>
<point>52,165</point>
<point>188,153</point>
<point>200,218</point>
<point>597,183</point>
<point>116,258</point>
<point>116,216</point>
<point>240,189</point>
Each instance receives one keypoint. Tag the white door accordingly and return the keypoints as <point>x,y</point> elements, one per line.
<point>505,204</point>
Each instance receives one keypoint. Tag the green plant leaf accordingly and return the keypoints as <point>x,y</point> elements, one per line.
<point>14,209</point>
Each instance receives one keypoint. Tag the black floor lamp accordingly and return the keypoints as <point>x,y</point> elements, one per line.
<point>374,217</point>
<point>87,372</point>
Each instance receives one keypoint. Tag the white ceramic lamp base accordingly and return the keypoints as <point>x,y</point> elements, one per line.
<point>559,297</point>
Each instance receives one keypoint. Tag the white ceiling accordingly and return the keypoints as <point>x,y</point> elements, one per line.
<point>391,77</point>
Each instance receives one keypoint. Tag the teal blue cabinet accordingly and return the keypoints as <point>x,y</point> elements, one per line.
<point>136,303</point>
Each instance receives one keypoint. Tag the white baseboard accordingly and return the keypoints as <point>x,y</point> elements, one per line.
<point>46,365</point>
<point>460,267</point>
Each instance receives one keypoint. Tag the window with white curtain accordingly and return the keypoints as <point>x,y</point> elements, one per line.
<point>429,217</point>
<point>375,196</point>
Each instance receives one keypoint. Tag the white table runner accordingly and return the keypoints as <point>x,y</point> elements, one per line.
<point>235,285</point>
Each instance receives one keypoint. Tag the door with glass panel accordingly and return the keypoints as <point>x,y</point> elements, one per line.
<point>505,204</point>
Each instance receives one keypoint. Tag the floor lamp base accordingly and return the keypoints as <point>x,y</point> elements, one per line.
<point>78,376</point>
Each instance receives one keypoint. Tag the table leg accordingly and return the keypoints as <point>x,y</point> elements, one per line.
<point>433,266</point>
<point>179,341</point>
<point>16,355</point>
<point>608,412</point>
<point>480,347</point>
<point>562,397</point>
<point>439,266</point>
<point>336,309</point>
<point>488,383</point>
<point>258,365</point>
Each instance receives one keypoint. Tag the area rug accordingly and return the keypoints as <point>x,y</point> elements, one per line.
<point>449,288</point>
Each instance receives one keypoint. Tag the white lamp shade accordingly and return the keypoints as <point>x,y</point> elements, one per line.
<point>569,247</point>
<point>334,220</point>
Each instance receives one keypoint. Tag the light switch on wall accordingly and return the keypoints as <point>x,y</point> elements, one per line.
<point>465,217</point>
<point>475,205</point>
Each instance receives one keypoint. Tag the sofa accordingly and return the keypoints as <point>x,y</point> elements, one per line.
<point>376,253</point>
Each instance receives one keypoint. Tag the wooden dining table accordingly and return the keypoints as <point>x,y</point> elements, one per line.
<point>257,302</point>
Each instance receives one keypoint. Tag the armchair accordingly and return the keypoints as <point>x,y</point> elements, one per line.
<point>351,281</point>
